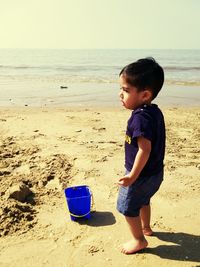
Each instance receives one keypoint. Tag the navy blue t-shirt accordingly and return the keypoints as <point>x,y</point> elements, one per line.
<point>146,121</point>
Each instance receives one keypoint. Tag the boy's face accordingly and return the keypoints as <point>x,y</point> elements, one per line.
<point>130,97</point>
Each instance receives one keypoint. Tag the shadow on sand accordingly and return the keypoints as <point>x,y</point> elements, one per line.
<point>99,218</point>
<point>186,248</point>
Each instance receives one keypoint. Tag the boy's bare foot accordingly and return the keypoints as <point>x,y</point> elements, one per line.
<point>147,231</point>
<point>134,246</point>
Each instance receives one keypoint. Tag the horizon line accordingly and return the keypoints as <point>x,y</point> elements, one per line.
<point>63,48</point>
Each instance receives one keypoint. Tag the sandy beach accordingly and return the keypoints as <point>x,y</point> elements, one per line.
<point>44,150</point>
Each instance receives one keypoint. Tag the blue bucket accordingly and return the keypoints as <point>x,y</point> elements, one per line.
<point>79,201</point>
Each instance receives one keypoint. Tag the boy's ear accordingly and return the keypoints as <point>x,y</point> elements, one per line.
<point>147,94</point>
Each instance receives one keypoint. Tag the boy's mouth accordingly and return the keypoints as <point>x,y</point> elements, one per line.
<point>122,102</point>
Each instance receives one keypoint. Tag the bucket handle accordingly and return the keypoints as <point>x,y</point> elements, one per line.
<point>81,216</point>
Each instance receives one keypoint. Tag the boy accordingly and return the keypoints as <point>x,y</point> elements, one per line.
<point>140,83</point>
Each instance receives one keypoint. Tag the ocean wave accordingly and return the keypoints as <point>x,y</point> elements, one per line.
<point>93,79</point>
<point>93,66</point>
<point>17,67</point>
<point>89,69</point>
<point>181,68</point>
<point>76,68</point>
<point>183,82</point>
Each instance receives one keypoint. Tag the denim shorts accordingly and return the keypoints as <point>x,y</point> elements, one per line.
<point>132,198</point>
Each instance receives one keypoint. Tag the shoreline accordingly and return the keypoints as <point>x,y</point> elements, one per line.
<point>89,94</point>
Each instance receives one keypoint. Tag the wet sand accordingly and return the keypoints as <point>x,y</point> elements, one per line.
<point>44,150</point>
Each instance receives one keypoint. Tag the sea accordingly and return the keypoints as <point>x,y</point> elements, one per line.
<point>89,77</point>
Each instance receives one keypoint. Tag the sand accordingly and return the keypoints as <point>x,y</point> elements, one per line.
<point>44,150</point>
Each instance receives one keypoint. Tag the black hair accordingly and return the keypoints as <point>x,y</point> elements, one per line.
<point>144,74</point>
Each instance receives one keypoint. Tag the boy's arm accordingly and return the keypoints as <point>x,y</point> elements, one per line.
<point>144,150</point>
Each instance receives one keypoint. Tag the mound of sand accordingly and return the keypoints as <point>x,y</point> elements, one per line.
<point>27,180</point>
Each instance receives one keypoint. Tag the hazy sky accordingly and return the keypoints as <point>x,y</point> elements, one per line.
<point>100,24</point>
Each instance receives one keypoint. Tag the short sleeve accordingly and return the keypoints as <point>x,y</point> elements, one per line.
<point>142,126</point>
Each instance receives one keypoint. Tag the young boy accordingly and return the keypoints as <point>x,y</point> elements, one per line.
<point>140,83</point>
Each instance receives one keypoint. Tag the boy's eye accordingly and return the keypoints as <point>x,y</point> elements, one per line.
<point>124,89</point>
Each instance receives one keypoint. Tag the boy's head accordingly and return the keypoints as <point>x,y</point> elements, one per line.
<point>144,75</point>
<point>141,82</point>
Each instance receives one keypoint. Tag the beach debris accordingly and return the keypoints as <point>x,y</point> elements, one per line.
<point>102,159</point>
<point>19,192</point>
<point>99,129</point>
<point>63,87</point>
<point>93,249</point>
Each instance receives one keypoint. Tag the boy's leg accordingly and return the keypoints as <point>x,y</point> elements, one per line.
<point>145,215</point>
<point>145,212</point>
<point>138,242</point>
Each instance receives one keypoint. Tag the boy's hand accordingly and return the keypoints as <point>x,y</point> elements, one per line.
<point>141,159</point>
<point>125,181</point>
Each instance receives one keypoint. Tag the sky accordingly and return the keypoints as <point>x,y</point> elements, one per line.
<point>104,24</point>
